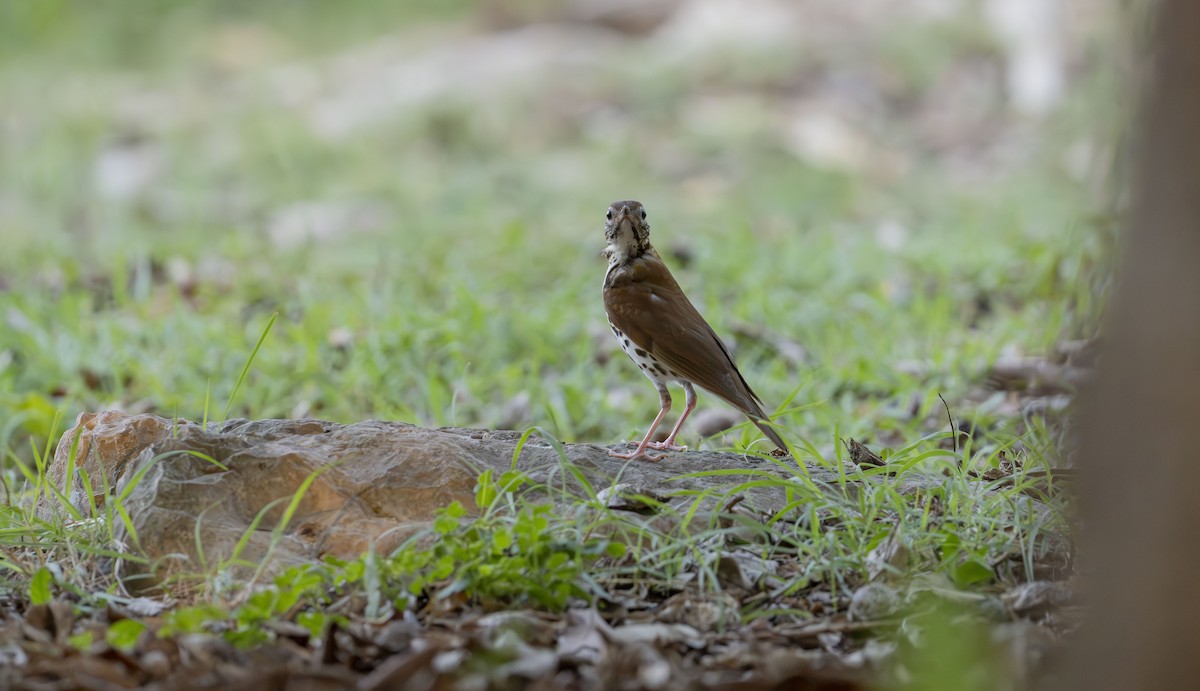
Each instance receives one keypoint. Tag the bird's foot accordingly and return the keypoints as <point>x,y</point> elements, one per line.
<point>668,445</point>
<point>639,453</point>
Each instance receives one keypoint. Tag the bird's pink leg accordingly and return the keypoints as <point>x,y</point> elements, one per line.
<point>669,444</point>
<point>664,398</point>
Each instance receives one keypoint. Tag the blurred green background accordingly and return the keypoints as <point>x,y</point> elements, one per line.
<point>872,201</point>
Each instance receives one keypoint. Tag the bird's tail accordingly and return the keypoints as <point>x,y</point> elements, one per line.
<point>749,404</point>
<point>766,428</point>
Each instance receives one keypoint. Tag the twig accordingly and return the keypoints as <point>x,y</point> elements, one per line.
<point>953,430</point>
<point>737,499</point>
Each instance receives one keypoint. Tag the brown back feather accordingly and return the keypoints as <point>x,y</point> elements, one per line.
<point>644,301</point>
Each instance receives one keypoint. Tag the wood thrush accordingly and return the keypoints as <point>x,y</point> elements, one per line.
<point>663,333</point>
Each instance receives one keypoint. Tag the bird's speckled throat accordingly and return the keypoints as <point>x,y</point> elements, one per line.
<point>627,232</point>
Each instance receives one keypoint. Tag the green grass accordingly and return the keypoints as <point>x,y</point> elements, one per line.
<point>476,281</point>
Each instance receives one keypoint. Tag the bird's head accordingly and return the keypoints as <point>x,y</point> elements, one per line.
<point>627,232</point>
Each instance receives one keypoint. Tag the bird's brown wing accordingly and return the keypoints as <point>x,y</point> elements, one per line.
<point>644,301</point>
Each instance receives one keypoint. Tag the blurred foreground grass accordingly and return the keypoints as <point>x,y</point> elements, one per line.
<point>169,178</point>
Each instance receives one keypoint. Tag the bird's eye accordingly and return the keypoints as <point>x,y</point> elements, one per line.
<point>643,214</point>
<point>609,216</point>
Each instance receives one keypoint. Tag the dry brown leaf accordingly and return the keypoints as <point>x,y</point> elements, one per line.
<point>1037,598</point>
<point>585,639</point>
<point>860,455</point>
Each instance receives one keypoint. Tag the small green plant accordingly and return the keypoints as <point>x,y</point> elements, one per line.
<point>39,586</point>
<point>244,624</point>
<point>123,634</point>
<point>529,557</point>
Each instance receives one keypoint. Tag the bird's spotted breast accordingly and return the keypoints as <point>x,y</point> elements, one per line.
<point>655,370</point>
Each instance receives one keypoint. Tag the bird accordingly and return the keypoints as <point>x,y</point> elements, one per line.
<point>663,333</point>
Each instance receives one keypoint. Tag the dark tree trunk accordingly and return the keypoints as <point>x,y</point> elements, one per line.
<point>1140,424</point>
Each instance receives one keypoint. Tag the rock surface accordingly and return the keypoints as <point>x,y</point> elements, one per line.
<point>229,485</point>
